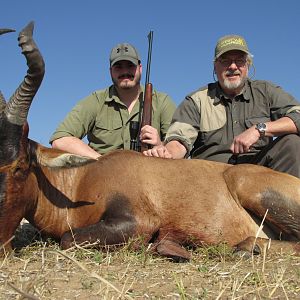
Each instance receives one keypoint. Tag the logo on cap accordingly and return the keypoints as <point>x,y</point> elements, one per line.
<point>124,48</point>
<point>230,42</point>
<point>124,51</point>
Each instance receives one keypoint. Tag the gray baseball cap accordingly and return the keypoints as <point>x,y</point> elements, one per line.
<point>124,51</point>
<point>230,42</point>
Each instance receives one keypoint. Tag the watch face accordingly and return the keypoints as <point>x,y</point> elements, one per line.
<point>261,126</point>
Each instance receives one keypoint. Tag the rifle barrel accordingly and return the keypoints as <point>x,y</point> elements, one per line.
<point>145,114</point>
<point>150,39</point>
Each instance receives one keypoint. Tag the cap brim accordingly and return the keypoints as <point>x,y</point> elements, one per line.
<point>131,59</point>
<point>232,49</point>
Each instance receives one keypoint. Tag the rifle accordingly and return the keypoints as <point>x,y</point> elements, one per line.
<point>147,103</point>
<point>145,112</point>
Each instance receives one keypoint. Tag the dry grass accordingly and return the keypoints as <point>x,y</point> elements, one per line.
<point>41,270</point>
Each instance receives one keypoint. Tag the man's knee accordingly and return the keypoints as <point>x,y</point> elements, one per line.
<point>290,144</point>
<point>285,155</point>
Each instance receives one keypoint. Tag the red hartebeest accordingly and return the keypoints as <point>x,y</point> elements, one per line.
<point>124,194</point>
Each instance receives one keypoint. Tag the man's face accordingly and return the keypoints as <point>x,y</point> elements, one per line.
<point>232,70</point>
<point>125,74</point>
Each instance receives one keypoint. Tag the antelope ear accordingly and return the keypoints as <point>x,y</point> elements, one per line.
<point>65,160</point>
<point>6,30</point>
<point>173,250</point>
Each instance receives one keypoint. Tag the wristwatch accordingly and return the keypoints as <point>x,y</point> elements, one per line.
<point>261,127</point>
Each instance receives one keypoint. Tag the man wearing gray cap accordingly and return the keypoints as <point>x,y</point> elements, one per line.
<point>235,119</point>
<point>104,116</point>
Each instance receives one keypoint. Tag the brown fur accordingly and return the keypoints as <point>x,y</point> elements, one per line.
<point>168,202</point>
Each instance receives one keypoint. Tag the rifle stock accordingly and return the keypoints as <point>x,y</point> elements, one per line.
<point>147,112</point>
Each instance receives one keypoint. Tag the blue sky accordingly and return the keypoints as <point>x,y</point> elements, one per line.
<point>75,38</point>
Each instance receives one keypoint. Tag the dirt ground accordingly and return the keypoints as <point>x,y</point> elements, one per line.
<point>40,270</point>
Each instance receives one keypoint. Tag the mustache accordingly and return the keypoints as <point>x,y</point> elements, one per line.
<point>233,72</point>
<point>126,75</point>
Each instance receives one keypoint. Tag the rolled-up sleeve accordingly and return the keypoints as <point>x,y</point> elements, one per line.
<point>185,124</point>
<point>167,110</point>
<point>78,121</point>
<point>283,105</point>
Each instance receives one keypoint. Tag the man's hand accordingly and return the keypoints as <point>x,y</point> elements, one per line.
<point>172,149</point>
<point>158,151</point>
<point>243,142</point>
<point>150,136</point>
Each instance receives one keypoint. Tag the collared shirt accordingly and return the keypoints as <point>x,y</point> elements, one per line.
<point>206,122</point>
<point>105,119</point>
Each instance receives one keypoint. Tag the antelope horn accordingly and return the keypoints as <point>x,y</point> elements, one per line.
<point>2,102</point>
<point>6,30</point>
<point>18,105</point>
<point>2,99</point>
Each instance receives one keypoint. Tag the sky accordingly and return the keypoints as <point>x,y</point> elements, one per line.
<point>76,37</point>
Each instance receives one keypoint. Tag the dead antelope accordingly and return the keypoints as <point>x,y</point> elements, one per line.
<point>170,203</point>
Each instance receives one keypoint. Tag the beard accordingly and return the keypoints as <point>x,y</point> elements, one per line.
<point>129,83</point>
<point>236,84</point>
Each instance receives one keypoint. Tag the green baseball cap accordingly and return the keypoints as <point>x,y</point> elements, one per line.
<point>230,42</point>
<point>124,51</point>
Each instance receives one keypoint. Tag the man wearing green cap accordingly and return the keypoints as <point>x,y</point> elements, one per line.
<point>105,115</point>
<point>235,119</point>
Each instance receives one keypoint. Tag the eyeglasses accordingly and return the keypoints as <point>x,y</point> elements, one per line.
<point>226,62</point>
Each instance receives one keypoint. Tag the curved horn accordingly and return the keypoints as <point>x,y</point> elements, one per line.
<point>6,30</point>
<point>2,99</point>
<point>18,105</point>
<point>2,102</point>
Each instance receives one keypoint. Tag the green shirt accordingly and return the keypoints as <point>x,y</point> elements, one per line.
<point>206,122</point>
<point>105,119</point>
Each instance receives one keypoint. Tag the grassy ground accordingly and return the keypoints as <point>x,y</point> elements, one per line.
<point>40,270</point>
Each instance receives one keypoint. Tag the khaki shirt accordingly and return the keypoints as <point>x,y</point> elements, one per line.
<point>206,122</point>
<point>105,119</point>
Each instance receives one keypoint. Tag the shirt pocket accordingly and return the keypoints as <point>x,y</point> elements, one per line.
<point>108,131</point>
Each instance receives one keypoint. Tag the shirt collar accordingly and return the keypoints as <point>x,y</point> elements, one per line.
<point>113,94</point>
<point>247,90</point>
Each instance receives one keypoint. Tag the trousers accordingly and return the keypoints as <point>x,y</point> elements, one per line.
<point>282,154</point>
